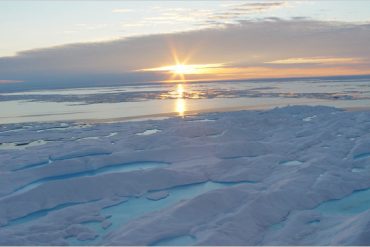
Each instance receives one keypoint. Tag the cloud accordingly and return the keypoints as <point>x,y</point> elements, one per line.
<point>210,18</point>
<point>121,10</point>
<point>319,60</point>
<point>83,26</point>
<point>278,46</point>
<point>174,16</point>
<point>257,7</point>
<point>235,12</point>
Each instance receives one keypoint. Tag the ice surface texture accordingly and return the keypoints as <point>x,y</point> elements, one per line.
<point>289,176</point>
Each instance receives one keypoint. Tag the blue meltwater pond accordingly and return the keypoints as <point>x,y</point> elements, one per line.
<point>125,167</point>
<point>357,202</point>
<point>133,208</point>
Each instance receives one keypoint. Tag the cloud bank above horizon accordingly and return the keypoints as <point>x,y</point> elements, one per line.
<point>253,48</point>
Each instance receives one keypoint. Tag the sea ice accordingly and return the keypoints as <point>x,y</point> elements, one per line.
<point>233,178</point>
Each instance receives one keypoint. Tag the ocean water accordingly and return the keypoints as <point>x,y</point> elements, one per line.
<point>179,99</point>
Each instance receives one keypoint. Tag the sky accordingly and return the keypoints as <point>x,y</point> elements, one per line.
<point>135,41</point>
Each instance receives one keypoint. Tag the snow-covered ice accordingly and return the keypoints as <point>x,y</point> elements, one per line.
<point>296,175</point>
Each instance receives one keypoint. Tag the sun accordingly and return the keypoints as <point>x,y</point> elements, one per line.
<point>181,69</point>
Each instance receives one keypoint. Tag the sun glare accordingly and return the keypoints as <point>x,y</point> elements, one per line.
<point>181,69</point>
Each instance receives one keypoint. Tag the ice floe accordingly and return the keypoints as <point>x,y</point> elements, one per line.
<point>276,177</point>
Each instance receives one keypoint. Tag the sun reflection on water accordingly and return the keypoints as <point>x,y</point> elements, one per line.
<point>180,90</point>
<point>180,107</point>
<point>180,104</point>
